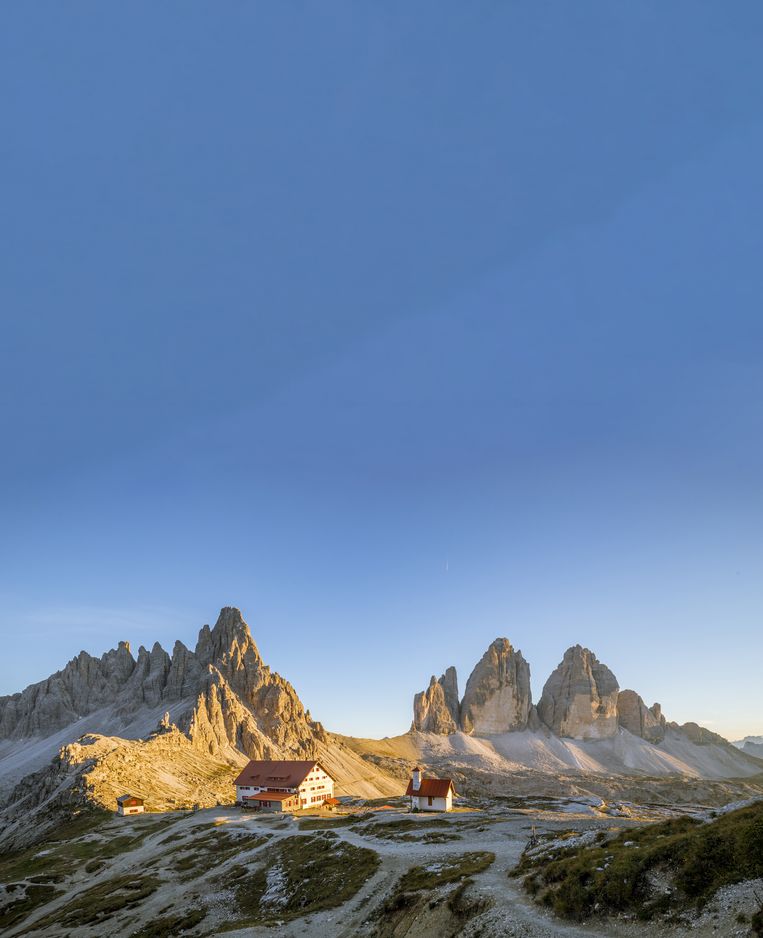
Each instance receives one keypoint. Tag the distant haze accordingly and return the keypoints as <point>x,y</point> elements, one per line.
<point>400,329</point>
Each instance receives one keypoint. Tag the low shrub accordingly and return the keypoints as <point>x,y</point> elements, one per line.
<point>690,860</point>
<point>169,926</point>
<point>448,870</point>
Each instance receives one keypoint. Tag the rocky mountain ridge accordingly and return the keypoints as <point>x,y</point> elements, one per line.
<point>752,745</point>
<point>221,694</point>
<point>581,700</point>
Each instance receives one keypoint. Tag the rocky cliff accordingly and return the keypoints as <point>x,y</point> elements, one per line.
<point>634,715</point>
<point>579,699</point>
<point>581,702</point>
<point>436,709</point>
<point>497,698</point>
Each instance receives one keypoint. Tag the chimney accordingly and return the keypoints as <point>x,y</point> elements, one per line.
<point>416,779</point>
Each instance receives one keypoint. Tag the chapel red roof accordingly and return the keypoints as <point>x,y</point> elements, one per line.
<point>431,788</point>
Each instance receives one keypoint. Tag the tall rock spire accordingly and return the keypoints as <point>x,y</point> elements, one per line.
<point>497,698</point>
<point>436,709</point>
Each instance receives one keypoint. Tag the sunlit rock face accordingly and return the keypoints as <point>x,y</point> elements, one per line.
<point>497,698</point>
<point>579,699</point>
<point>436,709</point>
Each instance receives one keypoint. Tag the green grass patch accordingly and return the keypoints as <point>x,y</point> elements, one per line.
<point>401,829</point>
<point>31,897</point>
<point>407,829</point>
<point>83,841</point>
<point>99,903</point>
<point>168,926</point>
<point>617,876</point>
<point>84,822</point>
<point>423,889</point>
<point>327,824</point>
<point>199,855</point>
<point>300,875</point>
<point>50,857</point>
<point>447,870</point>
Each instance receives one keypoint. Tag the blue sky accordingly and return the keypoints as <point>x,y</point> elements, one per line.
<point>401,327</point>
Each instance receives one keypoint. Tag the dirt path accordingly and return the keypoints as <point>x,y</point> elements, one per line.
<point>511,914</point>
<point>503,832</point>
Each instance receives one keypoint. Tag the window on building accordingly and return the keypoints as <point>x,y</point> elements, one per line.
<point>429,800</point>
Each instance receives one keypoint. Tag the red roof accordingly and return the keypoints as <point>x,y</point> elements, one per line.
<point>270,796</point>
<point>431,788</point>
<point>276,773</point>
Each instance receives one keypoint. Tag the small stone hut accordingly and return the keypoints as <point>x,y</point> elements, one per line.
<point>130,804</point>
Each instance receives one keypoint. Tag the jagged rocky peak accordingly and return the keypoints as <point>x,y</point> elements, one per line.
<point>634,716</point>
<point>221,695</point>
<point>230,641</point>
<point>84,685</point>
<point>579,699</point>
<point>497,698</point>
<point>436,709</point>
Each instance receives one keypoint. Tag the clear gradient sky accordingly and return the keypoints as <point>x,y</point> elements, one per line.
<point>399,326</point>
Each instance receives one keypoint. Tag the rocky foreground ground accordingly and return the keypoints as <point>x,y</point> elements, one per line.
<point>373,870</point>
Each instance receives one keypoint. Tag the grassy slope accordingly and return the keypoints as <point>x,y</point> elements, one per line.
<point>663,868</point>
<point>430,900</point>
<point>92,863</point>
<point>301,875</point>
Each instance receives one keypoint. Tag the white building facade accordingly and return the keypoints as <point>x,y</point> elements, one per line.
<point>130,804</point>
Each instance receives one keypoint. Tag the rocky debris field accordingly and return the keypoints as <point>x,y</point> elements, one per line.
<point>374,870</point>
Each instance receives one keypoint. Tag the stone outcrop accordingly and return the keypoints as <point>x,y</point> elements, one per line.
<point>579,699</point>
<point>699,735</point>
<point>634,716</point>
<point>497,698</point>
<point>436,709</point>
<point>220,695</point>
